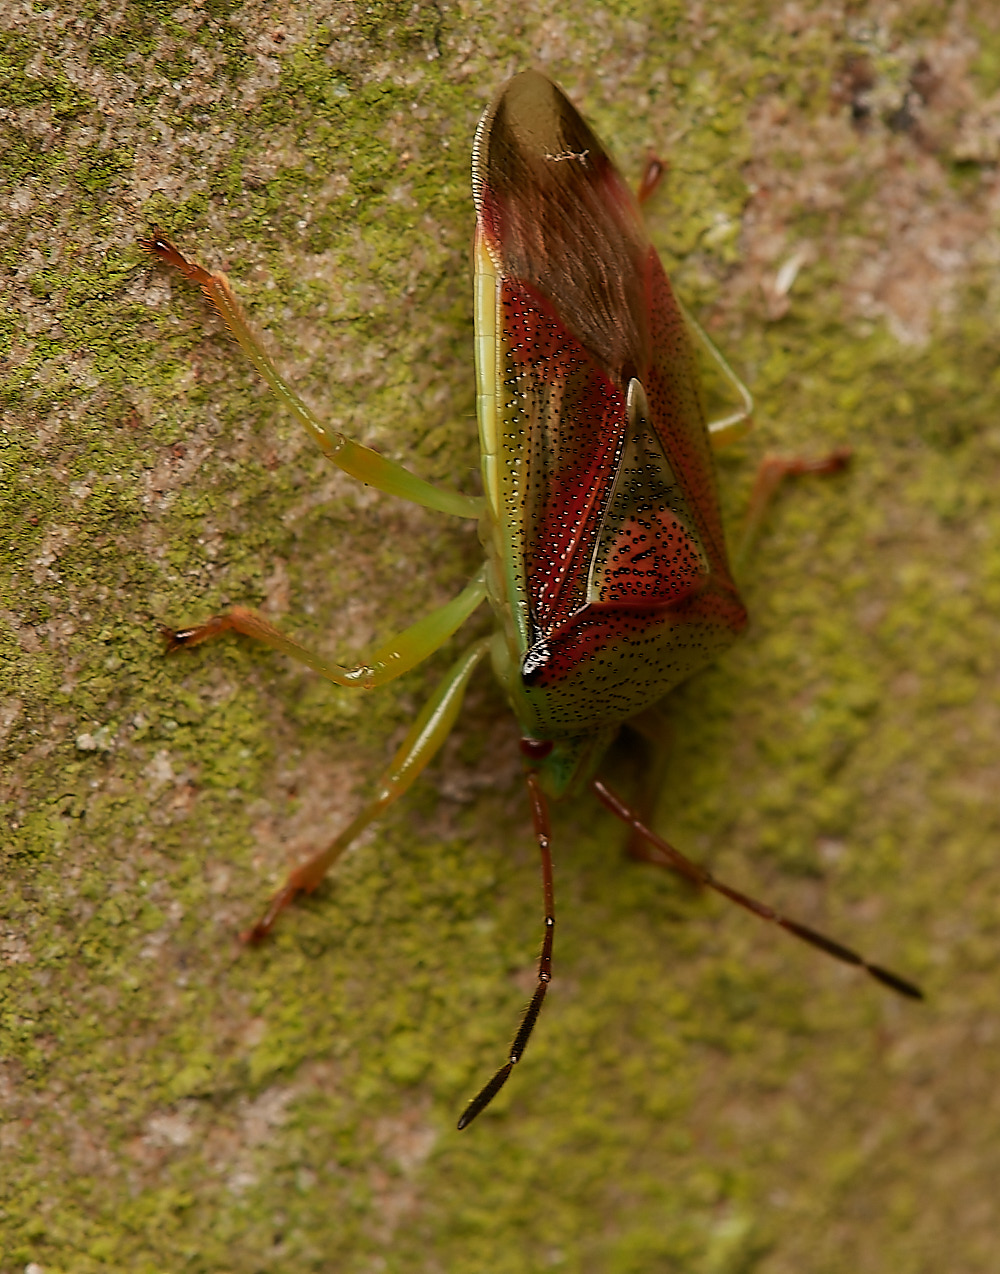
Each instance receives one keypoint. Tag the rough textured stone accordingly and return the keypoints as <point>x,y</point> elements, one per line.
<point>702,1094</point>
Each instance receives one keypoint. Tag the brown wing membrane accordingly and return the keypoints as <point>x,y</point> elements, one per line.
<point>557,215</point>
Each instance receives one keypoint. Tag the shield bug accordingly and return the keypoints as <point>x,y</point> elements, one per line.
<point>606,564</point>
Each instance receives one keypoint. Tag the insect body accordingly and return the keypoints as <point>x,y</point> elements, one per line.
<point>606,563</point>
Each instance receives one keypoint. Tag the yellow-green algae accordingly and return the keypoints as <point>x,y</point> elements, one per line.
<point>702,1095</point>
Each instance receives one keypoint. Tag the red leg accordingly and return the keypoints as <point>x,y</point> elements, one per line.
<point>773,471</point>
<point>652,175</point>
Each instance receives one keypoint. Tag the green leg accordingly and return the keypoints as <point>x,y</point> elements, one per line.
<point>398,655</point>
<point>734,424</point>
<point>773,469</point>
<point>360,462</point>
<point>421,744</point>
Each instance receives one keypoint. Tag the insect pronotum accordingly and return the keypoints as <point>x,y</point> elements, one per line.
<point>606,565</point>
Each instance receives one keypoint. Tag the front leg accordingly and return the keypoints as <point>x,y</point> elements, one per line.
<point>360,462</point>
<point>396,656</point>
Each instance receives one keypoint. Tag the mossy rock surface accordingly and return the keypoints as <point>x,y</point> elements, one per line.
<point>702,1094</point>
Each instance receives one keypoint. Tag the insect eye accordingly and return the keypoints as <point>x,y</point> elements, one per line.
<point>536,749</point>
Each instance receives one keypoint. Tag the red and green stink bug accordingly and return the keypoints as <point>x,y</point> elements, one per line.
<point>606,563</point>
